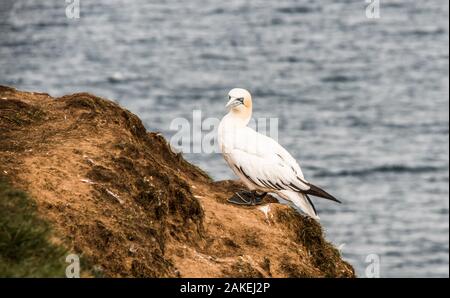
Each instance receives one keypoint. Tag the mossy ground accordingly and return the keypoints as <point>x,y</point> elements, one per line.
<point>25,246</point>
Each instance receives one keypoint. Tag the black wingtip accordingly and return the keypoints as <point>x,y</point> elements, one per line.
<point>312,205</point>
<point>318,192</point>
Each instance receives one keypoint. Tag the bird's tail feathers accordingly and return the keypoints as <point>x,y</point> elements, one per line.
<point>302,201</point>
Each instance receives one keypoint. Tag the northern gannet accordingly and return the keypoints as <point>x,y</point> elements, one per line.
<point>260,162</point>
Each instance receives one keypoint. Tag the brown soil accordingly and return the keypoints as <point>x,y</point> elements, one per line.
<point>117,195</point>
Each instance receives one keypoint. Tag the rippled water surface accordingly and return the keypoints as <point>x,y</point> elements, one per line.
<point>362,103</point>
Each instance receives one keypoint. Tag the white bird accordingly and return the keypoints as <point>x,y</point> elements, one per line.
<point>260,162</point>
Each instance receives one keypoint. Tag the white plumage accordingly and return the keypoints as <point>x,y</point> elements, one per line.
<point>259,161</point>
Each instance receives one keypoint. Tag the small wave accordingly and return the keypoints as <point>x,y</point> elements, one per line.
<point>276,21</point>
<point>44,25</point>
<point>297,59</point>
<point>394,5</point>
<point>425,32</point>
<point>218,10</point>
<point>381,169</point>
<point>338,79</point>
<point>296,9</point>
<point>116,77</point>
<point>211,56</point>
<point>119,77</point>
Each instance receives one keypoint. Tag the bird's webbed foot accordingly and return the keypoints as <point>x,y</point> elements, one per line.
<point>247,198</point>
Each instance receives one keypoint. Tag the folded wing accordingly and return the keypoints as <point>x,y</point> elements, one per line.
<point>265,163</point>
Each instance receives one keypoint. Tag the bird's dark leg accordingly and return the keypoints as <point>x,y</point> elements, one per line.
<point>247,198</point>
<point>258,197</point>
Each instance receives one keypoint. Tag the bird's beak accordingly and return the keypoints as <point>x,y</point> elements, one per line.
<point>233,102</point>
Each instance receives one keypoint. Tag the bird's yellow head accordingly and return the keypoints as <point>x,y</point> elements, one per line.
<point>240,102</point>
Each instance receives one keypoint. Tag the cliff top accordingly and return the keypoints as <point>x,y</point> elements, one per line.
<point>119,197</point>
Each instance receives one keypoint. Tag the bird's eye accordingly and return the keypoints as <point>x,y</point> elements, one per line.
<point>241,99</point>
<point>229,96</point>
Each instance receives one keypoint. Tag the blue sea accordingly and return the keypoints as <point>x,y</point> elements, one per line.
<point>362,103</point>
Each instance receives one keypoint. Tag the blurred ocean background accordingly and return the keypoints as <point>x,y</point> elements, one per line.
<point>363,104</point>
